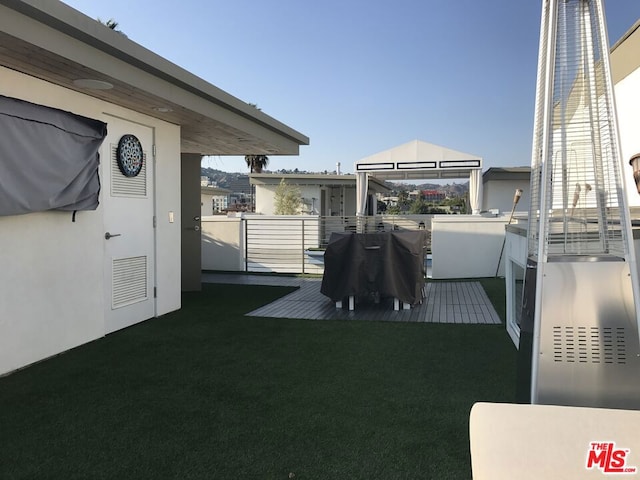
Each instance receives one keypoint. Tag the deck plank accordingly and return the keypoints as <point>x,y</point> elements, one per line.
<point>444,302</point>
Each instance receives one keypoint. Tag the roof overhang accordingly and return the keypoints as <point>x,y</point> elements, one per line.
<point>509,173</point>
<point>419,160</point>
<point>625,53</point>
<point>52,41</point>
<point>214,191</point>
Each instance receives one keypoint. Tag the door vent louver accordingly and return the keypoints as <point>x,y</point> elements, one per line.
<point>122,186</point>
<point>129,281</point>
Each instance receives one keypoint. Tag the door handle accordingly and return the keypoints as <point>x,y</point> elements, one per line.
<point>108,235</point>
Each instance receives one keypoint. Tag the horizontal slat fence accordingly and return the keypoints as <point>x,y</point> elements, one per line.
<point>278,243</point>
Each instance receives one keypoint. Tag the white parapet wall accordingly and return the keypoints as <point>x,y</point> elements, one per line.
<point>261,243</point>
<point>223,243</point>
<point>463,246</point>
<point>467,246</point>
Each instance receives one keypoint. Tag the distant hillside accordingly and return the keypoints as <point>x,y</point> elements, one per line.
<point>220,178</point>
<point>452,190</point>
<point>228,180</point>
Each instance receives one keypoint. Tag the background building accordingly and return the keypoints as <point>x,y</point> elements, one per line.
<point>326,195</point>
<point>499,186</point>
<point>69,278</point>
<point>213,200</point>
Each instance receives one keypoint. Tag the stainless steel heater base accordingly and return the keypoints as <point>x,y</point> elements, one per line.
<point>588,352</point>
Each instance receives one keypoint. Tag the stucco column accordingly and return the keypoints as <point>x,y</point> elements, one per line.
<point>190,212</point>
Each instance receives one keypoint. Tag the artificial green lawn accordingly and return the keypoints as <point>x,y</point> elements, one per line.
<point>208,393</point>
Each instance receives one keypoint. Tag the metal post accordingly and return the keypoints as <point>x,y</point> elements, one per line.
<point>245,223</point>
<point>516,199</point>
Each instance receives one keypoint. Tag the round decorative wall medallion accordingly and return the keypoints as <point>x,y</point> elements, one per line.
<point>129,155</point>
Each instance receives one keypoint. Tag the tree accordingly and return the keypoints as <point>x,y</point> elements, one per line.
<point>393,210</point>
<point>403,200</point>
<point>287,199</point>
<point>112,25</point>
<point>256,162</point>
<point>457,201</point>
<point>419,207</point>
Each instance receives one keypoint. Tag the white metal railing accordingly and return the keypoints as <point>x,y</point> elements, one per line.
<point>277,243</point>
<point>285,244</point>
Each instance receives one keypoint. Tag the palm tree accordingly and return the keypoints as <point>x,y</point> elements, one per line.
<point>111,24</point>
<point>256,162</point>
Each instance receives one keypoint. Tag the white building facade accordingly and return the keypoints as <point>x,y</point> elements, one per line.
<point>58,275</point>
<point>499,186</point>
<point>325,195</point>
<point>70,278</point>
<point>625,70</point>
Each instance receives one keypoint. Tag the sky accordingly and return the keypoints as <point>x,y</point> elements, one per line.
<point>359,76</point>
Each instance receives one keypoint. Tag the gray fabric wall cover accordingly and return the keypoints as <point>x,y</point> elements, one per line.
<point>48,158</point>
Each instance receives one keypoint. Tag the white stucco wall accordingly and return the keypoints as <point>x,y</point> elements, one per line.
<point>51,268</point>
<point>206,205</point>
<point>265,195</point>
<point>51,297</point>
<point>168,234</point>
<point>499,194</point>
<point>627,93</point>
<point>466,246</point>
<point>223,244</point>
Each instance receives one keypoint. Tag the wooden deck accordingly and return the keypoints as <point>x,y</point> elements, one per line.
<point>445,302</point>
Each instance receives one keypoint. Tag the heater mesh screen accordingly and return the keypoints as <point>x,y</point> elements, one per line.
<point>577,203</point>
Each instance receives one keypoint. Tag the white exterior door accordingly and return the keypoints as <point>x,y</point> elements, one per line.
<point>129,242</point>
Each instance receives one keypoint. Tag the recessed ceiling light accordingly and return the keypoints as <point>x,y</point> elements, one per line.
<point>92,84</point>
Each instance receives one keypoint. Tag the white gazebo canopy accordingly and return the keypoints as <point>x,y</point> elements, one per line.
<point>420,160</point>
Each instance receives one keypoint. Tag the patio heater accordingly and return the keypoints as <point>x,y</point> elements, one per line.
<point>579,340</point>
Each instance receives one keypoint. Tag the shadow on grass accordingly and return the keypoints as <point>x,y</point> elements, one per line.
<point>207,393</point>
